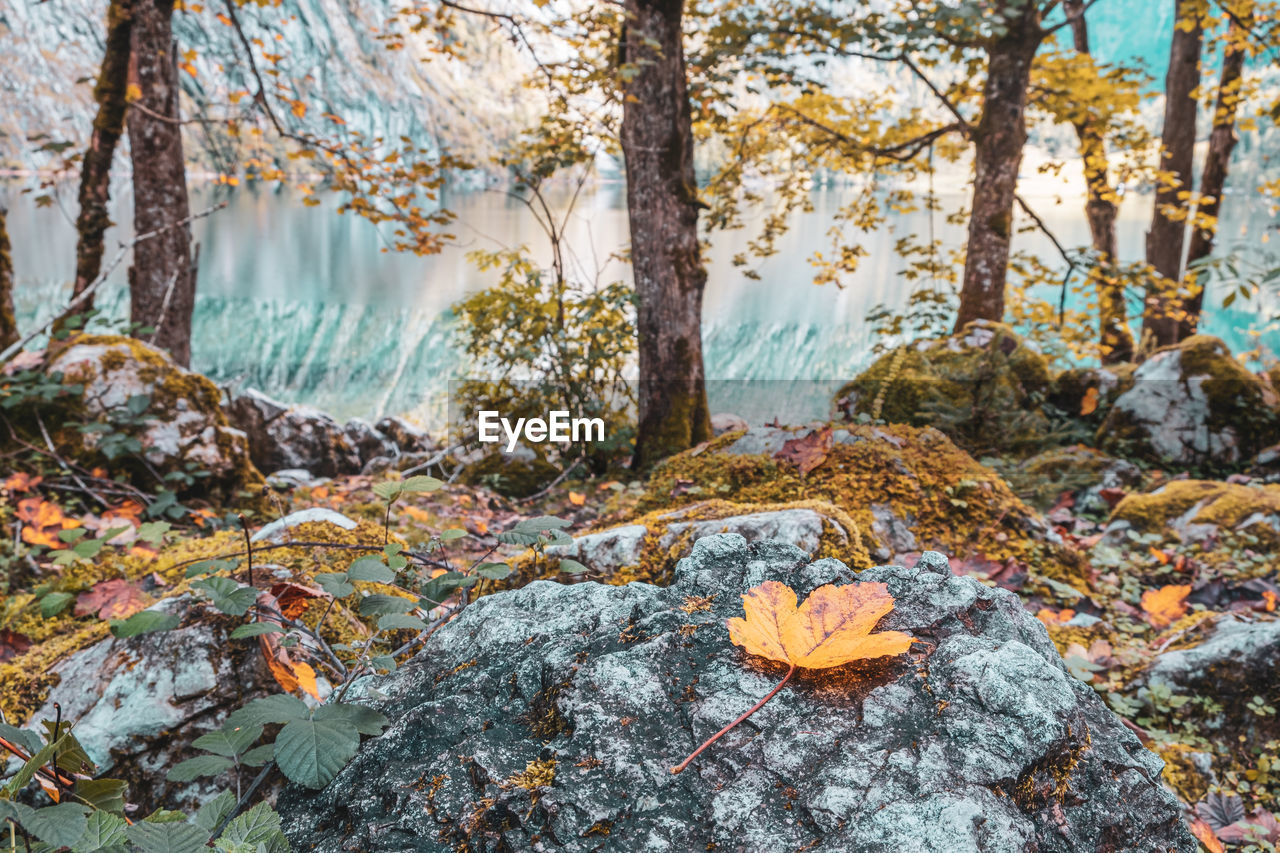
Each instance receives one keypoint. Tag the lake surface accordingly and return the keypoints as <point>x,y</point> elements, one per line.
<point>308,306</point>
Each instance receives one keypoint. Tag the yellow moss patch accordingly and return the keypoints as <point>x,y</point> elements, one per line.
<point>959,506</point>
<point>1180,772</point>
<point>1220,503</point>
<point>540,773</point>
<point>25,681</point>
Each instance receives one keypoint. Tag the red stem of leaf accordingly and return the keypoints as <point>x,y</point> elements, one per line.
<point>715,737</point>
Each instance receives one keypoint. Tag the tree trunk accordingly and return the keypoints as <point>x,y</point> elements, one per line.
<point>1115,340</point>
<point>998,141</point>
<point>162,282</point>
<point>662,205</point>
<point>1213,179</point>
<point>8,321</point>
<point>1167,235</point>
<point>95,175</point>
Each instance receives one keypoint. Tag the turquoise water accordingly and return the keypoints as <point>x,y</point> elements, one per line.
<point>307,306</point>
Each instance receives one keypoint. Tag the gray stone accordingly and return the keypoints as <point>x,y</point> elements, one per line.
<point>139,702</point>
<point>723,422</point>
<point>979,741</point>
<point>282,436</point>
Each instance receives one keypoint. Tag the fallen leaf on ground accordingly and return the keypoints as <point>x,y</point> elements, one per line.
<point>808,452</point>
<point>21,482</point>
<point>577,498</point>
<point>1204,834</point>
<point>1050,617</point>
<point>1165,605</point>
<point>1089,403</point>
<point>12,644</point>
<point>113,599</point>
<point>293,598</point>
<point>288,673</point>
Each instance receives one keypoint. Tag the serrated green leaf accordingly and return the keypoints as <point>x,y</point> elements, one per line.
<point>228,741</point>
<point>58,826</point>
<point>388,490</point>
<point>104,794</point>
<point>167,837</point>
<point>366,720</point>
<point>421,484</point>
<point>259,825</point>
<point>25,738</point>
<point>54,603</point>
<point>103,831</point>
<point>276,708</point>
<point>451,534</point>
<point>572,567</point>
<point>379,605</point>
<point>334,584</point>
<point>311,752</point>
<point>256,629</point>
<point>195,768</point>
<point>493,571</point>
<point>370,569</point>
<point>227,594</point>
<point>209,567</point>
<point>259,755</point>
<point>146,622</point>
<point>215,811</point>
<point>384,662</point>
<point>438,589</point>
<point>400,621</point>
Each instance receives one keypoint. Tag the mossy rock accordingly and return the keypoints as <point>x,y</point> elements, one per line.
<point>510,475</point>
<point>1196,508</point>
<point>984,387</point>
<point>183,429</point>
<point>1193,406</point>
<point>908,489</point>
<point>1087,393</point>
<point>647,548</point>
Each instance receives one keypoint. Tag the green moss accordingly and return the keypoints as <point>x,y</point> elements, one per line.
<point>510,476</point>
<point>986,397</point>
<point>1041,479</point>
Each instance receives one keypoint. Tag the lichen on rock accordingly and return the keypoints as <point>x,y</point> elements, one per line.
<point>981,742</point>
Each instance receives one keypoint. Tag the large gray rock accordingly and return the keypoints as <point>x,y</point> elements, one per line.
<point>1193,406</point>
<point>548,718</point>
<point>139,702</point>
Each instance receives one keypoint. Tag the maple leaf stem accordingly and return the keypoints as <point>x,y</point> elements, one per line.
<point>715,737</point>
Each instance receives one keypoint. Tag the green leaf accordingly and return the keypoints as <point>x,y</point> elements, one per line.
<point>255,629</point>
<point>378,605</point>
<point>87,549</point>
<point>54,603</point>
<point>335,585</point>
<point>421,484</point>
<point>167,837</point>
<point>366,720</point>
<point>400,621</point>
<point>201,765</point>
<point>211,567</point>
<point>259,755</point>
<point>370,569</point>
<point>439,588</point>
<point>228,741</point>
<point>146,622</point>
<point>28,770</point>
<point>493,571</point>
<point>384,662</point>
<point>541,523</point>
<point>451,534</point>
<point>228,595</point>
<point>58,826</point>
<point>276,708</point>
<point>153,532</point>
<point>104,831</point>
<point>388,490</point>
<point>214,811</point>
<point>311,752</point>
<point>104,794</point>
<point>75,534</point>
<point>25,738</point>
<point>573,567</point>
<point>259,825</point>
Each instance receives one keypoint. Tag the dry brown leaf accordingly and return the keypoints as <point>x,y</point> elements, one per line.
<point>288,673</point>
<point>1089,404</point>
<point>113,599</point>
<point>1205,835</point>
<point>293,598</point>
<point>1165,605</point>
<point>808,452</point>
<point>12,644</point>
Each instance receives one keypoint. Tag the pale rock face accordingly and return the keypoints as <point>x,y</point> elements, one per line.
<point>983,742</point>
<point>179,429</point>
<point>139,702</point>
<point>1175,411</point>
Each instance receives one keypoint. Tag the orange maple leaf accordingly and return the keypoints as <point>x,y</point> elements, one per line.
<point>21,482</point>
<point>1089,404</point>
<point>1205,835</point>
<point>1050,617</point>
<point>577,498</point>
<point>1165,605</point>
<point>833,627</point>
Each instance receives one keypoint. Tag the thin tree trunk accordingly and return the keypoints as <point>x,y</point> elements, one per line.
<point>998,141</point>
<point>161,282</point>
<point>110,93</point>
<point>1167,236</point>
<point>662,205</point>
<point>8,321</point>
<point>1213,179</point>
<point>1100,209</point>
